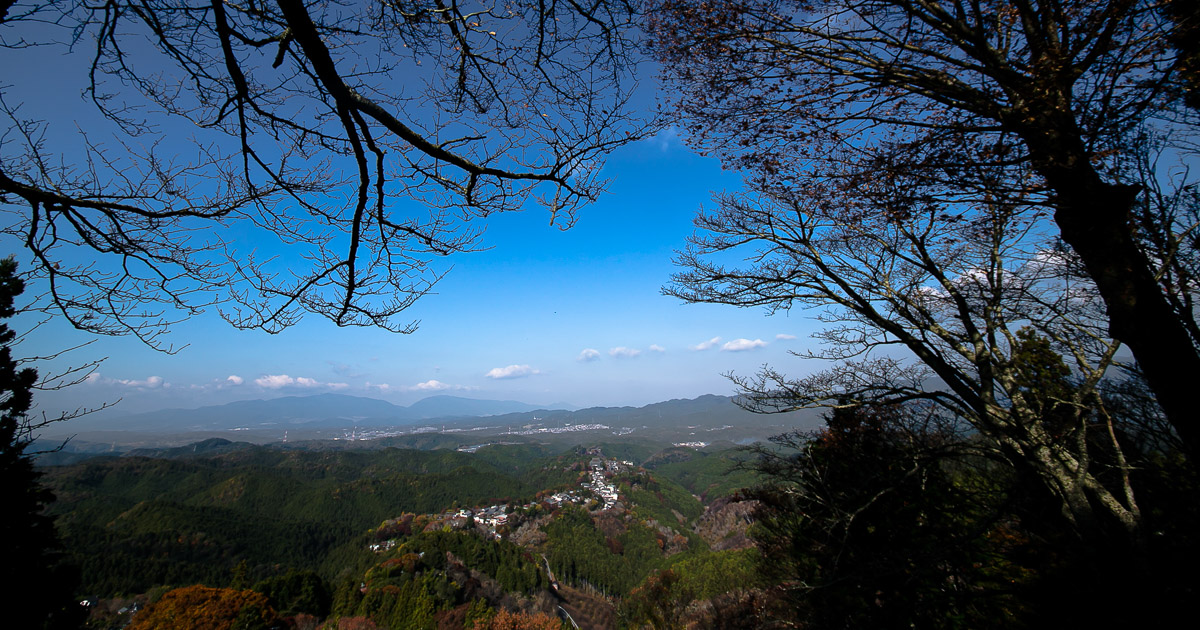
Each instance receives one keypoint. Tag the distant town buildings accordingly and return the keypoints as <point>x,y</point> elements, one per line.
<point>492,518</point>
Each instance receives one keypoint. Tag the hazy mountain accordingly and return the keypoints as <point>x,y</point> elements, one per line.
<point>707,419</point>
<point>705,411</point>
<point>448,406</point>
<point>321,410</point>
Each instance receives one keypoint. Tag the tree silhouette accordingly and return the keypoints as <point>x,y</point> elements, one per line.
<point>926,302</point>
<point>285,157</point>
<point>43,593</point>
<point>869,522</point>
<point>1061,90</point>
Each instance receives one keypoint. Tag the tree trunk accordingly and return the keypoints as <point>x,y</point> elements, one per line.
<point>1095,220</point>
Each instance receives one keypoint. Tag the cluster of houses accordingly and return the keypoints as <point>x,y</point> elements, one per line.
<point>567,496</point>
<point>493,517</point>
<point>596,485</point>
<point>488,518</point>
<point>599,484</point>
<point>381,547</point>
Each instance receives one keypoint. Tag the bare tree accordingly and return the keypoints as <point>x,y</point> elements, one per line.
<point>776,87</point>
<point>284,157</point>
<point>966,305</point>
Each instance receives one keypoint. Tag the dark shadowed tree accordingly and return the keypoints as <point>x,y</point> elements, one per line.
<point>297,592</point>
<point>41,593</point>
<point>944,289</point>
<point>1185,37</point>
<point>788,90</point>
<point>889,518</point>
<point>284,157</point>
<point>880,521</point>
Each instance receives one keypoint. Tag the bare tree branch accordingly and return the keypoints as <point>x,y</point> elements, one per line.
<point>280,158</point>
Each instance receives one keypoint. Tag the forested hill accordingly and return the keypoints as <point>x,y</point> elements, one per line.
<point>223,514</point>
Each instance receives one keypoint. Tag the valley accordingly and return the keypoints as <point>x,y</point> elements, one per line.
<point>517,523</point>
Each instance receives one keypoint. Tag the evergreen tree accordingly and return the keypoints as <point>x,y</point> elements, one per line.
<point>42,593</point>
<point>297,592</point>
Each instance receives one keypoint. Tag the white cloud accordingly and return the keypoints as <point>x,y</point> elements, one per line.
<point>929,295</point>
<point>782,336</point>
<point>383,387</point>
<point>434,385</point>
<point>512,371</point>
<point>234,379</point>
<point>621,352</point>
<point>279,381</point>
<point>274,381</point>
<point>151,382</point>
<point>588,354</point>
<point>707,344</point>
<point>657,348</point>
<point>739,345</point>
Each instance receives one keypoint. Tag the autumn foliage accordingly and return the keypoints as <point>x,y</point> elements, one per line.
<point>204,608</point>
<point>505,620</point>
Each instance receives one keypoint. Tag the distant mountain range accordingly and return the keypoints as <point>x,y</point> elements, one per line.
<point>321,410</point>
<point>705,411</point>
<point>435,422</point>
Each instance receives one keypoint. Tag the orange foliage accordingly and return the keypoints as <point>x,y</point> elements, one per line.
<point>409,562</point>
<point>204,608</point>
<point>504,620</point>
<point>389,564</point>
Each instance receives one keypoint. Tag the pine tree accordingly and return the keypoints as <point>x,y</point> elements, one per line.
<point>42,593</point>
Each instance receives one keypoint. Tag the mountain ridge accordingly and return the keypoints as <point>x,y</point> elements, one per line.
<point>317,410</point>
<point>691,422</point>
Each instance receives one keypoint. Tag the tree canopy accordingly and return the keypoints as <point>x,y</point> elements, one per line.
<point>196,607</point>
<point>987,306</point>
<point>278,158</point>
<point>976,199</point>
<point>1060,95</point>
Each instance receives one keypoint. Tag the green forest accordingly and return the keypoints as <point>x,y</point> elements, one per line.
<point>325,536</point>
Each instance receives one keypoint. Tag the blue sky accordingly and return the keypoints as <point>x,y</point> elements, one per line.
<point>543,316</point>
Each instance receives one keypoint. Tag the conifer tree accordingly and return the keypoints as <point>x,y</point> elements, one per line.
<point>43,584</point>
